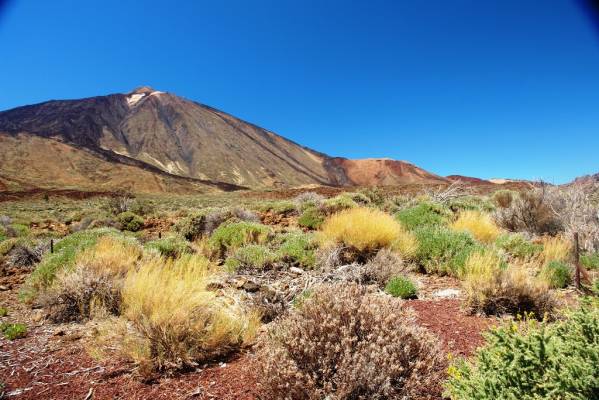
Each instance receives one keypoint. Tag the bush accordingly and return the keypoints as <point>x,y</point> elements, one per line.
<point>233,235</point>
<point>367,230</point>
<point>342,342</point>
<point>18,230</point>
<point>555,249</point>
<point>517,246</point>
<point>590,261</point>
<point>556,274</point>
<point>23,255</point>
<point>13,331</point>
<point>254,256</point>
<point>307,200</point>
<point>64,256</point>
<point>94,284</point>
<point>401,287</point>
<point>130,222</point>
<point>172,246</point>
<point>339,203</point>
<point>176,320</point>
<point>3,312</point>
<point>470,203</point>
<point>533,361</point>
<point>298,248</point>
<point>423,214</point>
<point>382,267</point>
<point>495,289</point>
<point>311,218</point>
<point>283,207</point>
<point>479,225</point>
<point>443,251</point>
<point>503,198</point>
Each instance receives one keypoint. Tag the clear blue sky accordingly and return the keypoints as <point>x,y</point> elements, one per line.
<point>481,88</point>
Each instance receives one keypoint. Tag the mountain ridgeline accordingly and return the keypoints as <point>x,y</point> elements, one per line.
<point>153,141</point>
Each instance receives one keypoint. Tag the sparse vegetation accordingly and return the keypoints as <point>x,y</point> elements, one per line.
<point>557,274</point>
<point>231,236</point>
<point>425,213</point>
<point>13,331</point>
<point>130,222</point>
<point>311,218</point>
<point>402,287</point>
<point>479,225</point>
<point>172,246</point>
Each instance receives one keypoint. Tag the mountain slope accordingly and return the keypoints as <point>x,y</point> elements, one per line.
<point>155,132</point>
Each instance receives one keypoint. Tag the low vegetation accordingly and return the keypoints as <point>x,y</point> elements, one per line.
<point>13,331</point>
<point>402,287</point>
<point>479,225</point>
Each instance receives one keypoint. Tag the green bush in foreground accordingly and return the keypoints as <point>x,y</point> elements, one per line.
<point>311,218</point>
<point>3,312</point>
<point>590,261</point>
<point>253,256</point>
<point>13,331</point>
<point>443,251</point>
<point>298,247</point>
<point>65,252</point>
<point>557,274</point>
<point>517,245</point>
<point>423,214</point>
<point>401,287</point>
<point>130,222</point>
<point>231,236</point>
<point>534,361</point>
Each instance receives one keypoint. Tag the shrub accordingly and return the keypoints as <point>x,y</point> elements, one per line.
<point>479,225</point>
<point>298,248</point>
<point>555,249</point>
<point>311,218</point>
<point>530,212</point>
<point>3,311</point>
<point>556,274</point>
<point>64,256</point>
<point>470,203</point>
<point>172,246</point>
<point>367,230</point>
<point>253,256</point>
<point>284,207</point>
<point>23,255</point>
<point>130,222</point>
<point>307,200</point>
<point>441,250</point>
<point>374,195</point>
<point>339,203</point>
<point>495,289</point>
<point>382,267</point>
<point>18,230</point>
<point>94,284</point>
<point>423,214</point>
<point>533,361</point>
<point>345,343</point>
<point>503,198</point>
<point>590,261</point>
<point>13,331</point>
<point>402,287</point>
<point>176,320</point>
<point>231,236</point>
<point>517,245</point>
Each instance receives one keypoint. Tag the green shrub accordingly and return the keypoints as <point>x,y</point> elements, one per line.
<point>7,245</point>
<point>423,214</point>
<point>311,218</point>
<point>470,203</point>
<point>590,261</point>
<point>298,247</point>
<point>277,207</point>
<point>13,331</point>
<point>557,274</point>
<point>65,252</point>
<point>443,251</point>
<point>254,256</point>
<point>233,235</point>
<point>339,203</point>
<point>534,361</point>
<point>172,246</point>
<point>130,222</point>
<point>517,245</point>
<point>307,200</point>
<point>402,287</point>
<point>3,312</point>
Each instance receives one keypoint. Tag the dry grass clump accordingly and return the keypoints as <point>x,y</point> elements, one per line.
<point>367,229</point>
<point>495,289</point>
<point>479,225</point>
<point>176,320</point>
<point>94,284</point>
<point>345,343</point>
<point>555,249</point>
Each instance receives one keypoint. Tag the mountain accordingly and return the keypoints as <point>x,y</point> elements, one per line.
<point>587,179</point>
<point>148,140</point>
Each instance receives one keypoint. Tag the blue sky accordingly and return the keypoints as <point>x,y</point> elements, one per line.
<point>480,88</point>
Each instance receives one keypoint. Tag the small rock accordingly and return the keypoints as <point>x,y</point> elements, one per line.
<point>296,270</point>
<point>38,316</point>
<point>447,293</point>
<point>4,288</point>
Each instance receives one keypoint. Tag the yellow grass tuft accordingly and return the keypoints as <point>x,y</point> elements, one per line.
<point>555,248</point>
<point>480,226</point>
<point>111,256</point>
<point>178,320</point>
<point>367,229</point>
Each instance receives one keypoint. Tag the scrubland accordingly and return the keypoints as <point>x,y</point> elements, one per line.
<point>315,291</point>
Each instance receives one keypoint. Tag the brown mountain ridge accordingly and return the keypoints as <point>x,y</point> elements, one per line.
<point>153,141</point>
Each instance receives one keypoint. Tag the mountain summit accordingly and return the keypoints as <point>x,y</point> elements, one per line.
<point>160,132</point>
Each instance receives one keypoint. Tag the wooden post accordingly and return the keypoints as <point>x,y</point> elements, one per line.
<point>577,261</point>
<point>51,245</point>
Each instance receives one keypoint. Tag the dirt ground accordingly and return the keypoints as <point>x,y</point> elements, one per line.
<point>52,362</point>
